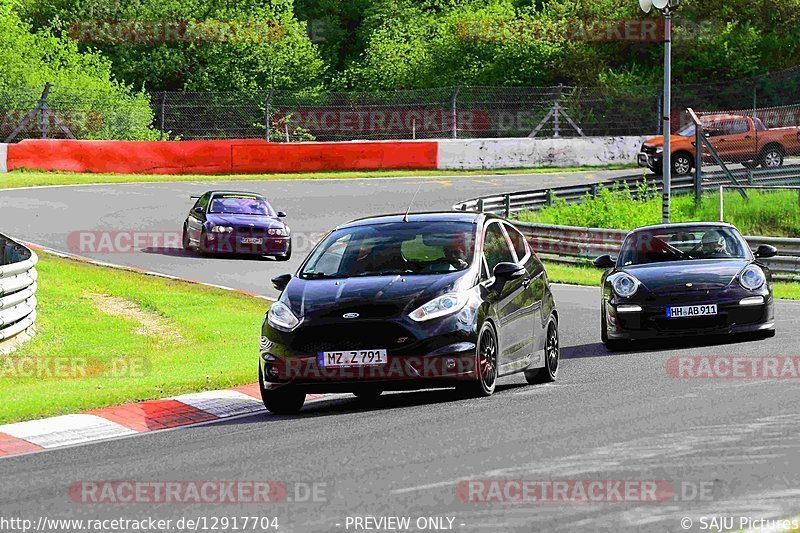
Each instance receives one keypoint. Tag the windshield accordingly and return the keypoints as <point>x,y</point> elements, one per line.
<point>687,131</point>
<point>393,248</point>
<point>240,205</point>
<point>681,244</point>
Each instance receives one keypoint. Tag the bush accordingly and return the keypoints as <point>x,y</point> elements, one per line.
<point>99,107</point>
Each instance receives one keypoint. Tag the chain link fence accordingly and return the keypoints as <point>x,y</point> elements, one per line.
<point>447,112</point>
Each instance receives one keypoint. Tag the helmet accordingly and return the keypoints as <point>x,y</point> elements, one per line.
<point>714,242</point>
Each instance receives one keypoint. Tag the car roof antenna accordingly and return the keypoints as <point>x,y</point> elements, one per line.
<point>405,217</point>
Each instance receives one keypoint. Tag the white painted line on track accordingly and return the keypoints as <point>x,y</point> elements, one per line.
<point>66,430</point>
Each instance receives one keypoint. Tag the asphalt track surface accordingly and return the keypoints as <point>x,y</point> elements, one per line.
<point>608,417</point>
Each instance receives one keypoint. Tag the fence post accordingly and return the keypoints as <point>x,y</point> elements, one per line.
<point>549,197</point>
<point>43,115</point>
<point>480,205</point>
<point>508,205</point>
<point>698,162</point>
<point>266,114</point>
<point>454,111</point>
<point>163,111</point>
<point>594,190</point>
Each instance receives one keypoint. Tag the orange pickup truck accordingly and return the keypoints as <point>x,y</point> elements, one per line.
<point>736,139</point>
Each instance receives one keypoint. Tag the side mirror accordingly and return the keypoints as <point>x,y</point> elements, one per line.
<point>281,214</point>
<point>198,210</point>
<point>509,271</point>
<point>604,261</point>
<point>766,251</point>
<point>280,282</point>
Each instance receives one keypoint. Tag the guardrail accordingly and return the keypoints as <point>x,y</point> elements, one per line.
<point>507,204</point>
<point>17,291</point>
<point>574,245</point>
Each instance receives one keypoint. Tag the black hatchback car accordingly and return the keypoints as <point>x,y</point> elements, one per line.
<point>410,302</point>
<point>685,279</point>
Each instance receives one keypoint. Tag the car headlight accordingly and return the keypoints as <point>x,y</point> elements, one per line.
<point>660,150</point>
<point>281,317</point>
<point>444,305</point>
<point>221,229</point>
<point>624,284</point>
<point>752,278</point>
<point>281,232</point>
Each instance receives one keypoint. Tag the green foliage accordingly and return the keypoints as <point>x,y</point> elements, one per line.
<point>28,60</point>
<point>766,213</point>
<point>243,45</point>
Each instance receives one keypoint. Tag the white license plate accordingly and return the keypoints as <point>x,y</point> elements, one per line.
<point>252,240</point>
<point>688,311</point>
<point>352,358</point>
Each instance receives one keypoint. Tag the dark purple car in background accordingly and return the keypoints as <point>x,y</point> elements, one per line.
<point>236,223</point>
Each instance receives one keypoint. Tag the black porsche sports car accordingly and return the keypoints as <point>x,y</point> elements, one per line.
<point>410,302</point>
<point>236,223</point>
<point>685,279</point>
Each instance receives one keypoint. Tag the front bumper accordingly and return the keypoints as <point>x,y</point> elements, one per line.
<point>652,322</point>
<point>651,161</point>
<point>236,243</point>
<point>437,354</point>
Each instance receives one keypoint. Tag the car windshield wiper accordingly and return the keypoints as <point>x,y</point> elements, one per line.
<point>385,273</point>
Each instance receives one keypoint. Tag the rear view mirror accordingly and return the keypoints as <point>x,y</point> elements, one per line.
<point>198,210</point>
<point>766,251</point>
<point>281,214</point>
<point>604,261</point>
<point>508,271</point>
<point>280,282</point>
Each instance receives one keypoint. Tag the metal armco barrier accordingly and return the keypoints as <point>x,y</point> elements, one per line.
<point>17,290</point>
<point>573,245</point>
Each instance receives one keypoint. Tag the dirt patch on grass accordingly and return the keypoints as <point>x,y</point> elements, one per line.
<point>150,324</point>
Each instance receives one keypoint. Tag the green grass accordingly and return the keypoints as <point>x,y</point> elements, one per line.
<point>29,178</point>
<point>766,213</point>
<point>217,347</point>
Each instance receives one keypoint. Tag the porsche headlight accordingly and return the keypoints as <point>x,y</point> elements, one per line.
<point>280,232</point>
<point>221,229</point>
<point>444,305</point>
<point>752,278</point>
<point>624,284</point>
<point>281,317</point>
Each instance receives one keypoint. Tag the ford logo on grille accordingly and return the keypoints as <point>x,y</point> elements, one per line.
<point>350,315</point>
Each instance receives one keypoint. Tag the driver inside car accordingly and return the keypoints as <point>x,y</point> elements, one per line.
<point>714,245</point>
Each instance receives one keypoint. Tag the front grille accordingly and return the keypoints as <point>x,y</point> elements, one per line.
<point>649,149</point>
<point>364,335</point>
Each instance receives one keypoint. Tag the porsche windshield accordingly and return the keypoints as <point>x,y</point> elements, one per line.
<point>682,244</point>
<point>392,249</point>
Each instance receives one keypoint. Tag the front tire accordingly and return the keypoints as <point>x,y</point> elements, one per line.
<point>284,401</point>
<point>486,364</point>
<point>772,157</point>
<point>682,164</point>
<point>612,345</point>
<point>552,355</point>
<point>187,244</point>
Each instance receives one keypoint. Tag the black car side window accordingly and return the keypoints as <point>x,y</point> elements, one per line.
<point>518,240</point>
<point>203,201</point>
<point>495,247</point>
